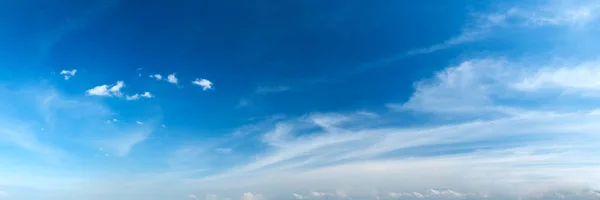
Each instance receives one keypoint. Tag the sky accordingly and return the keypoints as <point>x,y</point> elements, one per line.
<point>307,100</point>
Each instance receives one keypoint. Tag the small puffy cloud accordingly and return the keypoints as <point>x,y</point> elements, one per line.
<point>204,83</point>
<point>138,122</point>
<point>297,196</point>
<point>147,95</point>
<point>106,90</point>
<point>68,73</point>
<point>101,90</point>
<point>156,76</point>
<point>131,98</point>
<point>192,196</point>
<point>172,79</point>
<point>252,196</point>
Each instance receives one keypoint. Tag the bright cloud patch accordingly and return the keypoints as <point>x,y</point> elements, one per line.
<point>252,196</point>
<point>68,73</point>
<point>156,76</point>
<point>107,90</point>
<point>146,95</point>
<point>585,76</point>
<point>204,83</point>
<point>172,79</point>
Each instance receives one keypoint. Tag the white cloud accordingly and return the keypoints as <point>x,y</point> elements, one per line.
<point>520,151</point>
<point>547,13</point>
<point>147,95</point>
<point>101,90</point>
<point>585,76</point>
<point>107,90</point>
<point>131,98</point>
<point>192,196</point>
<point>317,194</point>
<point>297,196</point>
<point>463,88</point>
<point>138,122</point>
<point>172,79</point>
<point>252,196</point>
<point>204,83</point>
<point>157,77</point>
<point>68,73</point>
<point>116,89</point>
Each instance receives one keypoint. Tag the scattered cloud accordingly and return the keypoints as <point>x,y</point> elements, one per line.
<point>131,98</point>
<point>158,77</point>
<point>101,90</point>
<point>297,196</point>
<point>204,83</point>
<point>68,73</point>
<point>192,196</point>
<point>252,196</point>
<point>107,90</point>
<point>116,89</point>
<point>172,79</point>
<point>138,122</point>
<point>146,95</point>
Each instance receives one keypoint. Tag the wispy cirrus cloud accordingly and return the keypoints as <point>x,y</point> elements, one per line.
<point>495,148</point>
<point>547,13</point>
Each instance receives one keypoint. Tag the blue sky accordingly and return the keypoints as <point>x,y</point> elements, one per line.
<point>259,100</point>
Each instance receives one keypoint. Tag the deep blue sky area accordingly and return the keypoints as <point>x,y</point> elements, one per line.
<point>313,47</point>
